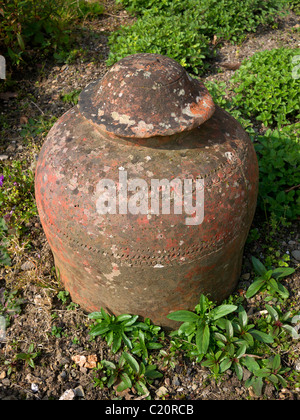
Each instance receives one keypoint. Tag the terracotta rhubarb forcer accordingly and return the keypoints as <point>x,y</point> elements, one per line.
<point>146,120</point>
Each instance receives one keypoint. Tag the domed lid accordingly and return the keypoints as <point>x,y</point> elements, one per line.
<point>146,95</point>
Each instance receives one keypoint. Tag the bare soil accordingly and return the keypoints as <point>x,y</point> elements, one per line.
<point>61,336</point>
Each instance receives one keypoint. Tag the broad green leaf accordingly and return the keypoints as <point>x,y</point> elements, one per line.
<point>281,272</point>
<point>105,315</point>
<point>291,331</point>
<point>282,381</point>
<point>202,338</point>
<point>276,362</point>
<point>225,365</point>
<point>222,311</point>
<point>123,317</point>
<point>141,388</point>
<point>272,312</point>
<point>132,362</point>
<point>257,386</point>
<point>239,371</point>
<point>255,287</point>
<point>261,336</point>
<point>125,382</point>
<point>251,364</point>
<point>154,346</point>
<point>126,340</point>
<point>109,338</point>
<point>258,266</point>
<point>131,321</point>
<point>243,318</point>
<point>95,315</point>
<point>117,341</point>
<point>183,316</point>
<point>98,330</point>
<point>241,351</point>
<point>108,364</point>
<point>203,304</point>
<point>229,328</point>
<point>187,328</point>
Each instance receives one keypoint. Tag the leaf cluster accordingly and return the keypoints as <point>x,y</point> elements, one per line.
<point>185,30</point>
<point>278,154</point>
<point>127,373</point>
<point>222,338</point>
<point>42,25</point>
<point>5,259</point>
<point>267,89</point>
<point>268,280</point>
<point>139,339</point>
<point>17,201</point>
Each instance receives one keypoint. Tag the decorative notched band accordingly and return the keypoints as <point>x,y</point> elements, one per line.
<point>148,257</point>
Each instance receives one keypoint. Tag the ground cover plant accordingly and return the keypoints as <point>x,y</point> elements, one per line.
<point>42,25</point>
<point>188,31</point>
<point>247,347</point>
<point>264,90</point>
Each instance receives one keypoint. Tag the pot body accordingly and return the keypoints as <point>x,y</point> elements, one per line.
<point>146,264</point>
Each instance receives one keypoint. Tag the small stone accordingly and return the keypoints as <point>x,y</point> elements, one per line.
<point>2,375</point>
<point>28,265</point>
<point>34,388</point>
<point>79,392</point>
<point>176,381</point>
<point>68,395</point>
<point>6,382</point>
<point>3,157</point>
<point>161,391</point>
<point>296,254</point>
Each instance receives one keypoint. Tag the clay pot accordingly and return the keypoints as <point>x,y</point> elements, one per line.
<point>146,192</point>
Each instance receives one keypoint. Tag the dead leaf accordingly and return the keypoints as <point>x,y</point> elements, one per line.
<point>23,120</point>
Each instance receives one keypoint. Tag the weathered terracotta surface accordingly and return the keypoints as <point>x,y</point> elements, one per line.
<point>146,264</point>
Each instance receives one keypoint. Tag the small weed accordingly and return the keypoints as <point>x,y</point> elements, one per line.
<point>126,374</point>
<point>29,357</point>
<point>268,280</point>
<point>10,304</point>
<point>71,97</point>
<point>17,195</point>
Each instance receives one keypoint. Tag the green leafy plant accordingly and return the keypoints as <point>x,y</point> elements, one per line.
<point>278,323</point>
<point>4,243</point>
<point>174,36</point>
<point>269,370</point>
<point>247,333</point>
<point>10,304</point>
<point>278,154</point>
<point>127,373</point>
<point>17,201</point>
<point>185,30</point>
<point>265,88</point>
<point>43,25</point>
<point>113,329</point>
<point>268,280</point>
<point>142,344</point>
<point>29,357</point>
<point>71,97</point>
<point>138,337</point>
<point>198,325</point>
